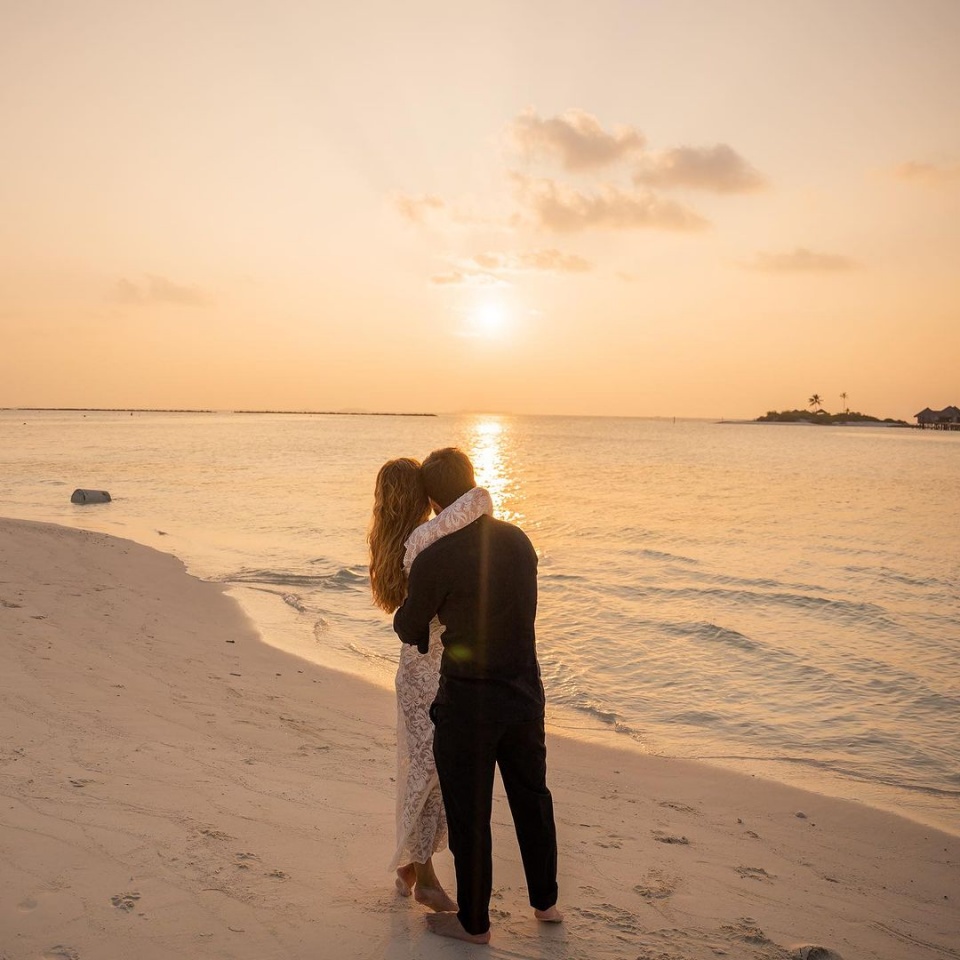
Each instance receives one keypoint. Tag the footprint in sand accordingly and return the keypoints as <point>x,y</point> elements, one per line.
<point>60,952</point>
<point>679,807</point>
<point>125,901</point>
<point>215,834</point>
<point>611,916</point>
<point>655,953</point>
<point>27,904</point>
<point>754,873</point>
<point>662,837</point>
<point>243,858</point>
<point>813,951</point>
<point>657,886</point>
<point>745,930</point>
<point>610,843</point>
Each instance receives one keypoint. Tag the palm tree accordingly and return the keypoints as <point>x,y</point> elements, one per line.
<point>815,401</point>
<point>843,397</point>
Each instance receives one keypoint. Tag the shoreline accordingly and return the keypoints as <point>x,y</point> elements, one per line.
<point>593,729</point>
<point>175,785</point>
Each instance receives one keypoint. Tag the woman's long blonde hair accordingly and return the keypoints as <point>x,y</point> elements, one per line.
<point>399,505</point>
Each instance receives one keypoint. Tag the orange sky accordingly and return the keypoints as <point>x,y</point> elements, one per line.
<point>648,207</point>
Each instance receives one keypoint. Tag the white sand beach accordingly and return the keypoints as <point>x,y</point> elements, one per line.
<point>172,786</point>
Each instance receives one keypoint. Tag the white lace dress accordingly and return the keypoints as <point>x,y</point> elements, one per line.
<point>421,823</point>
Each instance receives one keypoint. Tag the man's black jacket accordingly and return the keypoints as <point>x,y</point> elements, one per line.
<point>481,582</point>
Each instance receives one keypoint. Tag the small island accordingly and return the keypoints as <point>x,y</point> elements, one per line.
<point>824,418</point>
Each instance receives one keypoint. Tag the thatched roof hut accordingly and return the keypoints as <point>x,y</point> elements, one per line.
<point>946,419</point>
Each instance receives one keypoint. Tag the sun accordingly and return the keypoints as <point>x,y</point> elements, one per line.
<point>488,320</point>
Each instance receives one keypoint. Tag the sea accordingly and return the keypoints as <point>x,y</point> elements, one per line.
<point>776,599</point>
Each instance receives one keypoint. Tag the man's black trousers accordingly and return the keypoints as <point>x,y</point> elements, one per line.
<point>466,753</point>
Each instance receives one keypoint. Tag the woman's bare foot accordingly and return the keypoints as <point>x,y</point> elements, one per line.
<point>426,886</point>
<point>447,925</point>
<point>406,878</point>
<point>434,897</point>
<point>550,915</point>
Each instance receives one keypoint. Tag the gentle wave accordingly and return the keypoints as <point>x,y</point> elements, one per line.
<point>345,578</point>
<point>373,656</point>
<point>612,719</point>
<point>898,577</point>
<point>760,583</point>
<point>713,633</point>
<point>847,610</point>
<point>662,555</point>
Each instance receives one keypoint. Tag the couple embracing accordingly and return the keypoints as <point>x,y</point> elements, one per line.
<point>469,695</point>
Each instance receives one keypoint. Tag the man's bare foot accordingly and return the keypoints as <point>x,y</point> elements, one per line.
<point>406,877</point>
<point>550,915</point>
<point>447,925</point>
<point>435,898</point>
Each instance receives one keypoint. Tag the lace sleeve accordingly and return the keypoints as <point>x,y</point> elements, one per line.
<point>471,506</point>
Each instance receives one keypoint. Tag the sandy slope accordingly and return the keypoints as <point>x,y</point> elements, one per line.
<point>171,787</point>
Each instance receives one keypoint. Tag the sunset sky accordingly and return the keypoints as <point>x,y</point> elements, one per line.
<point>656,207</point>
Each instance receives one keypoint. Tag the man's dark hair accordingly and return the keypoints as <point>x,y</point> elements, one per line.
<point>447,476</point>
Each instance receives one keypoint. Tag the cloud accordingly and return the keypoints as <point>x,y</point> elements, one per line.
<point>564,209</point>
<point>548,260</point>
<point>929,173</point>
<point>416,209</point>
<point>576,138</point>
<point>127,292</point>
<point>801,260</point>
<point>488,268</point>
<point>448,279</point>
<point>472,278</point>
<point>719,168</point>
<point>156,289</point>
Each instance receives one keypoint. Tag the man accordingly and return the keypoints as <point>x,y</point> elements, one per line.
<point>481,581</point>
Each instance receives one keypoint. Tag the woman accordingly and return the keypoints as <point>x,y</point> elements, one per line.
<point>399,531</point>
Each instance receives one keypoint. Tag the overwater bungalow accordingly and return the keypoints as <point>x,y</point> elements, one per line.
<point>946,419</point>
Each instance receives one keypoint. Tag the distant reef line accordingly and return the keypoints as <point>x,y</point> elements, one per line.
<point>311,413</point>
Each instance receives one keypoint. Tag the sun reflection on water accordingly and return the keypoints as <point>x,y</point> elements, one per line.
<point>488,449</point>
